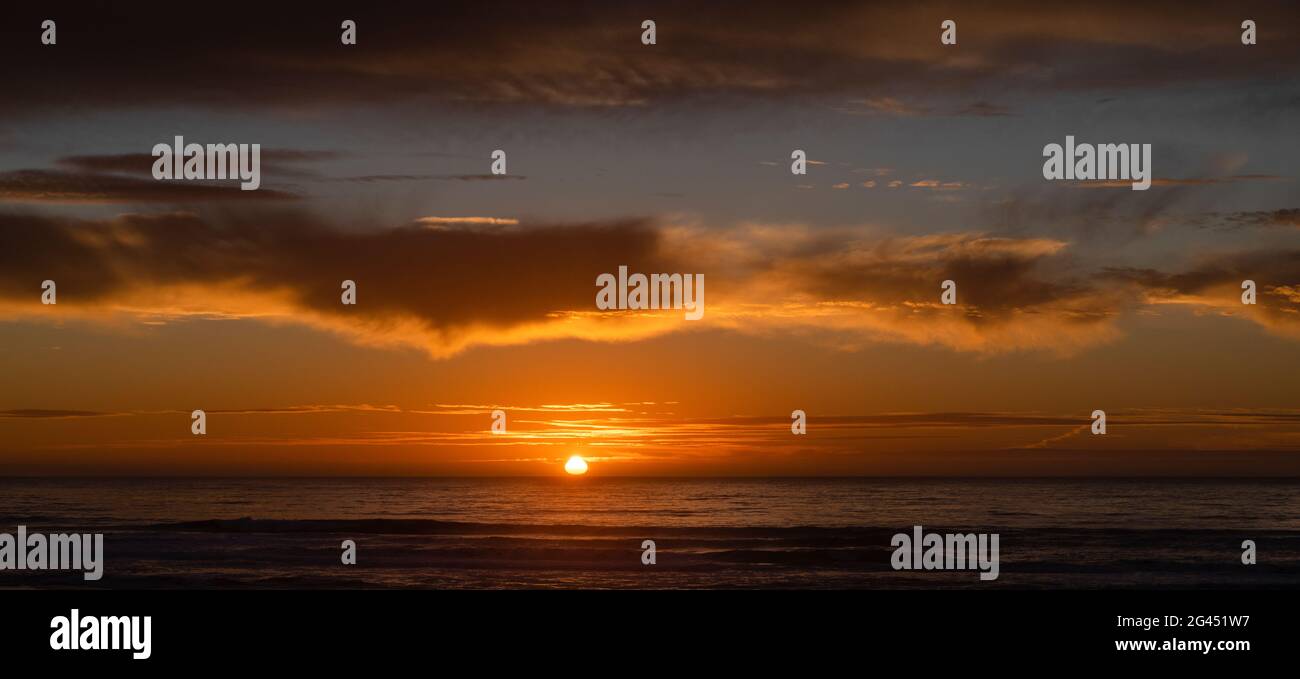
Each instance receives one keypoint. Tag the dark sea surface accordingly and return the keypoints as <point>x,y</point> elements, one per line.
<point>720,533</point>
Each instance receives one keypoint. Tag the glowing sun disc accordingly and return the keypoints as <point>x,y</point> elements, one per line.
<point>576,465</point>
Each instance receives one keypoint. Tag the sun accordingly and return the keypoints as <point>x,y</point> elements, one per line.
<point>576,465</point>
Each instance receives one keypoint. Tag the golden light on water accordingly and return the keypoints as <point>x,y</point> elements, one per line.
<point>576,465</point>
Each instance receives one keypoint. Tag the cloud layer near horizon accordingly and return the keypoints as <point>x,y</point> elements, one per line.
<point>446,286</point>
<point>648,438</point>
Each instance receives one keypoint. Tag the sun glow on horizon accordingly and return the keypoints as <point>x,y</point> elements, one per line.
<point>576,465</point>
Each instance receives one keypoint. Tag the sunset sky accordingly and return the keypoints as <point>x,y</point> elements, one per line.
<point>477,292</point>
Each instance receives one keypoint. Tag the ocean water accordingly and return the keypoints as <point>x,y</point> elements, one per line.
<point>709,533</point>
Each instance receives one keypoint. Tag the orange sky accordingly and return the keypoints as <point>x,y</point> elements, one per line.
<point>477,292</point>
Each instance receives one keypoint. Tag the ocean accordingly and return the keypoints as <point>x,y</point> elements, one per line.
<point>785,533</point>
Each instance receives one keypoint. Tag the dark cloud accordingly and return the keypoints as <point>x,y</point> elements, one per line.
<point>375,178</point>
<point>38,414</point>
<point>479,177</point>
<point>1217,283</point>
<point>481,279</point>
<point>440,278</point>
<point>274,162</point>
<point>56,186</point>
<point>984,109</point>
<point>996,276</point>
<point>1284,218</point>
<point>1265,267</point>
<point>288,56</point>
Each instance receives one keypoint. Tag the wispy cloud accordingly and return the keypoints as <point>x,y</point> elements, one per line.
<point>466,221</point>
<point>457,439</point>
<point>40,414</point>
